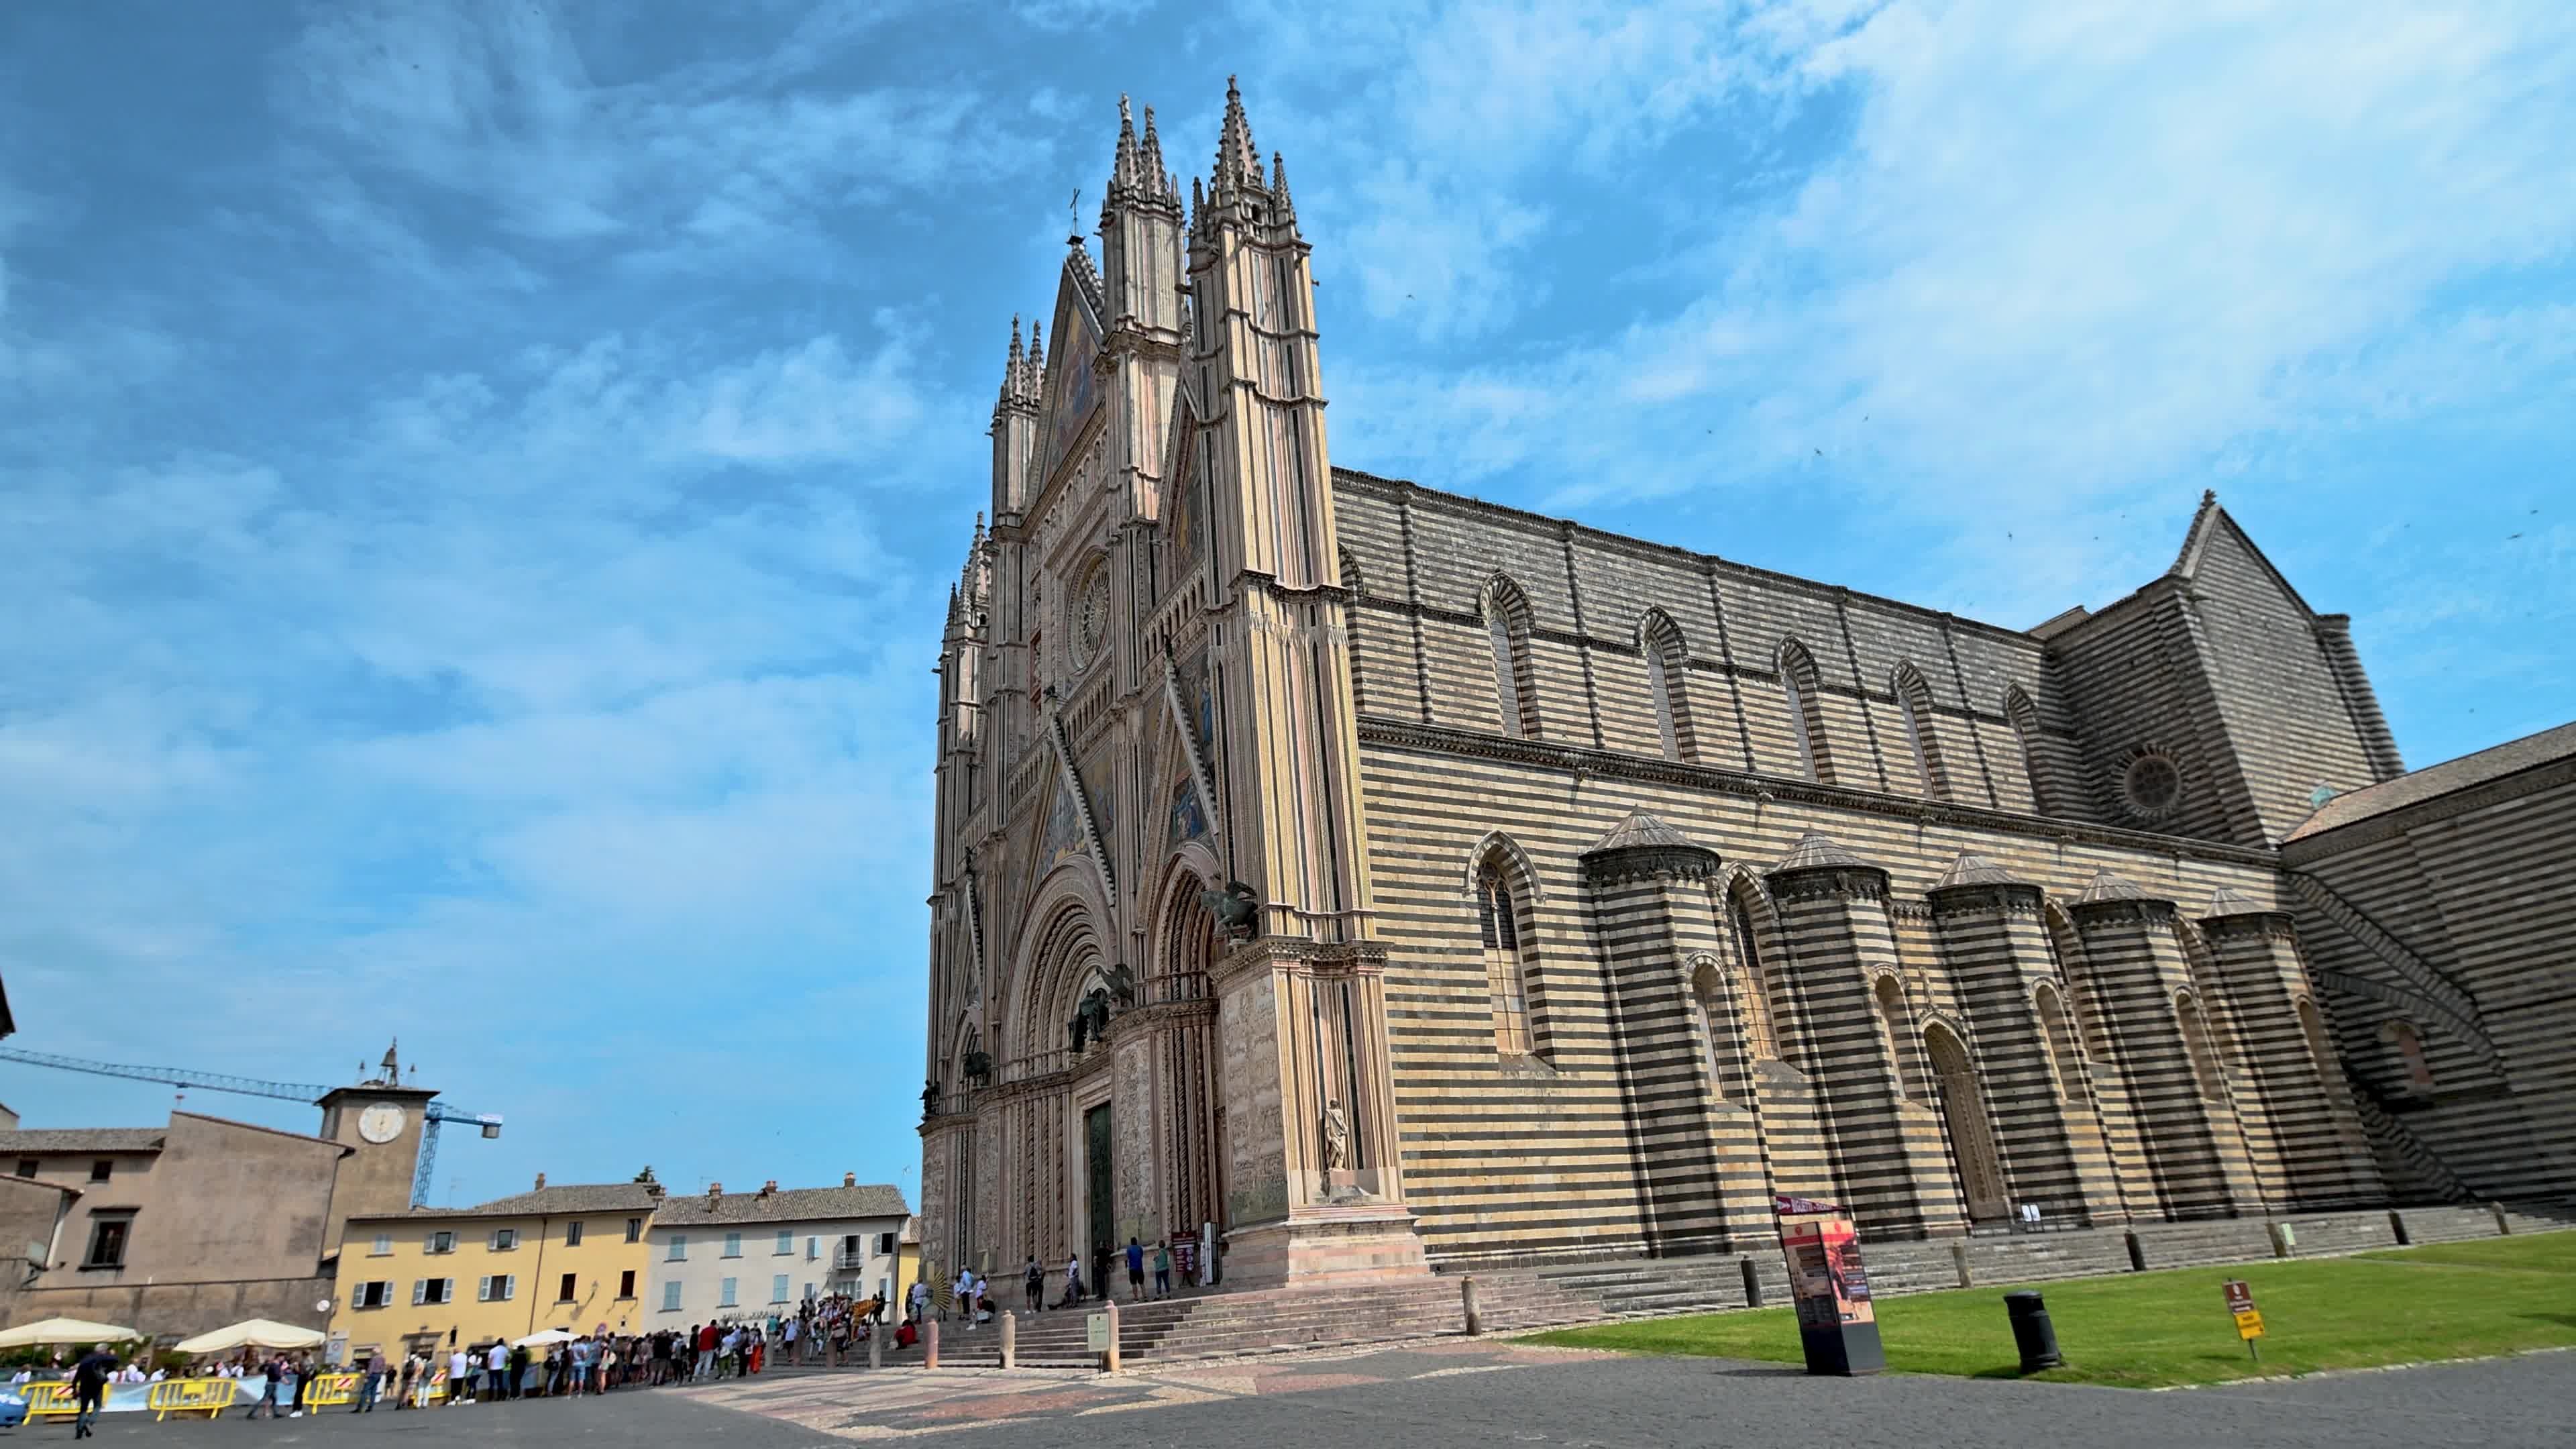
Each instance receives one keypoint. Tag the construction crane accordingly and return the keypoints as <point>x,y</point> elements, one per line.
<point>432,1113</point>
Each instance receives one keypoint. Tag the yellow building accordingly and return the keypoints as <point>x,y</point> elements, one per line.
<point>432,1280</point>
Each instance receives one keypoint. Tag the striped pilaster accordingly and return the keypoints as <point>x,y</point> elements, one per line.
<point>2195,1163</point>
<point>1652,921</point>
<point>2322,1158</point>
<point>1890,1165</point>
<point>2046,1126</point>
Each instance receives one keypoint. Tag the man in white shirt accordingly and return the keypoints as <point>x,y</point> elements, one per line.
<point>460,1377</point>
<point>496,1370</point>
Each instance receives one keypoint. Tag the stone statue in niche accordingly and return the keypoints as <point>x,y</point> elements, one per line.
<point>1121,981</point>
<point>1090,1019</point>
<point>1337,1137</point>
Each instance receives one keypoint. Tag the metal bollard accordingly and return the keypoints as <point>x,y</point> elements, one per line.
<point>1110,1359</point>
<point>2033,1334</point>
<point>1010,1339</point>
<point>1752,1283</point>
<point>930,1344</point>
<point>1467,1301</point>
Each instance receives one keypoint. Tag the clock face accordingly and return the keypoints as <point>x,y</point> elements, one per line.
<point>382,1122</point>
<point>1091,615</point>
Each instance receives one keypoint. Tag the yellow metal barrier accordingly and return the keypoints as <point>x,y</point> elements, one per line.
<point>50,1399</point>
<point>332,1389</point>
<point>209,1397</point>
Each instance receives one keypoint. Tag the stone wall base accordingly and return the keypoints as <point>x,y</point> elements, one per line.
<point>1326,1245</point>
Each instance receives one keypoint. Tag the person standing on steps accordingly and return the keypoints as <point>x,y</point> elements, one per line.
<point>1072,1281</point>
<point>1033,1278</point>
<point>1162,1270</point>
<point>1135,1271</point>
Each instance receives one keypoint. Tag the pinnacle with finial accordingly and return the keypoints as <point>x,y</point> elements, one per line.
<point>1237,158</point>
<point>1123,169</point>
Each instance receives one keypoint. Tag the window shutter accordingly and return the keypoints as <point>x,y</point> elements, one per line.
<point>510,1286</point>
<point>419,1291</point>
<point>483,1289</point>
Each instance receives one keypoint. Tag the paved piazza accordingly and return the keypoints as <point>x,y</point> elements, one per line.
<point>1438,1396</point>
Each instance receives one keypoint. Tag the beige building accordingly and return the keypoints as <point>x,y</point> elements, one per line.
<point>728,1255</point>
<point>202,1221</point>
<point>569,1256</point>
<point>1392,879</point>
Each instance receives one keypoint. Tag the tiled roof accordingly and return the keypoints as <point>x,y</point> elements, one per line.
<point>39,1141</point>
<point>1970,869</point>
<point>564,1201</point>
<point>2109,885</point>
<point>1642,830</point>
<point>2229,901</point>
<point>788,1205</point>
<point>1814,850</point>
<point>577,1197</point>
<point>2417,786</point>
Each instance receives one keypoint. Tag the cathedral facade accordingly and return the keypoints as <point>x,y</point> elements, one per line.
<point>1386,879</point>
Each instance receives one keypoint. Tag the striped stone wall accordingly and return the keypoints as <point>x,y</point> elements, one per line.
<point>2453,917</point>
<point>1587,1146</point>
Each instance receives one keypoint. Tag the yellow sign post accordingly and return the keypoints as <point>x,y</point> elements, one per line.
<point>2249,1319</point>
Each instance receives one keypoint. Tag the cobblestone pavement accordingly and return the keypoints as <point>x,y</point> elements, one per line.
<point>1470,1396</point>
<point>1479,1394</point>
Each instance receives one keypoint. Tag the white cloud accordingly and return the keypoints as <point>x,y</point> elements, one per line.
<point>2046,256</point>
<point>709,161</point>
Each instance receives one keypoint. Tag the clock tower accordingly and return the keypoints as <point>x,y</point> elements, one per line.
<point>381,1119</point>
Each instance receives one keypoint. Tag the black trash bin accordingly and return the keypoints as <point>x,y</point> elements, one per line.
<point>2033,1334</point>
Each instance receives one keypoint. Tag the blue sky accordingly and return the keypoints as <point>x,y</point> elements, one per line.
<point>478,483</point>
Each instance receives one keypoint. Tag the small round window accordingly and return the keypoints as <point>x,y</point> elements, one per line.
<point>2152,784</point>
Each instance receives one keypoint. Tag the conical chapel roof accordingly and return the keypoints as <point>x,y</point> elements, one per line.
<point>1973,869</point>
<point>1814,851</point>
<point>1640,829</point>
<point>2108,885</point>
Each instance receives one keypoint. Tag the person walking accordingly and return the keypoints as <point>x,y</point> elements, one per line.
<point>303,1384</point>
<point>272,1373</point>
<point>1072,1281</point>
<point>1033,1280</point>
<point>373,1383</point>
<point>920,1299</point>
<point>1135,1271</point>
<point>410,1371</point>
<point>89,1389</point>
<point>1162,1270</point>
<point>460,1377</point>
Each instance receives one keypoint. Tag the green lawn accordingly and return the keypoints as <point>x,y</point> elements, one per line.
<point>2148,1330</point>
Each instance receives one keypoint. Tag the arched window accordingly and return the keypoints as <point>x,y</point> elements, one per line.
<point>1914,700</point>
<point>1802,685</point>
<point>1668,682</point>
<point>1708,1008</point>
<point>2195,1040</point>
<point>1507,630</point>
<point>2044,796</point>
<point>2312,1024</point>
<point>1499,919</point>
<point>1893,1020</point>
<point>2409,1044</point>
<point>2065,1061</point>
<point>1753,983</point>
<point>1351,627</point>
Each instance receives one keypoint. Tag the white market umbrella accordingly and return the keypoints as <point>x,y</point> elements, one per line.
<point>252,1333</point>
<point>65,1331</point>
<point>546,1339</point>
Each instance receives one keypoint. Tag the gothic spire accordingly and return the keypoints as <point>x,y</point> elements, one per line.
<point>1279,187</point>
<point>1157,180</point>
<point>1124,172</point>
<point>1237,159</point>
